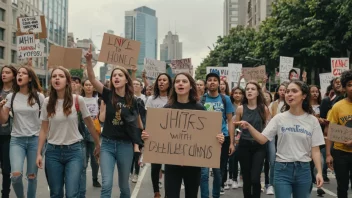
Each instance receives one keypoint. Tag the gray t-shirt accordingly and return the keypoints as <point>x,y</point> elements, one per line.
<point>296,136</point>
<point>26,120</point>
<point>5,129</point>
<point>158,102</point>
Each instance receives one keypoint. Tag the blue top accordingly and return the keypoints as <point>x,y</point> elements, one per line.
<point>216,104</point>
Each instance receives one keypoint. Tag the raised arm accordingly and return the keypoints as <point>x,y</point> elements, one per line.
<point>91,76</point>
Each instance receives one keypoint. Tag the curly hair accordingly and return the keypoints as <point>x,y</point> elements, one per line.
<point>346,76</point>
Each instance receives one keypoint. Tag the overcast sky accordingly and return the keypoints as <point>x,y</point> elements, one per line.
<point>198,22</point>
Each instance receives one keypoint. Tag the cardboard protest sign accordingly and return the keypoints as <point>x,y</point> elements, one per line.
<point>67,57</point>
<point>182,65</point>
<point>223,72</point>
<point>119,51</point>
<point>33,24</point>
<point>254,73</point>
<point>339,133</point>
<point>28,47</point>
<point>235,72</point>
<point>286,64</point>
<point>153,68</point>
<point>183,137</point>
<point>325,79</point>
<point>339,65</point>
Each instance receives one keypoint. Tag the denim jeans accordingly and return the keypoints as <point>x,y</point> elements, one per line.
<point>271,155</point>
<point>21,148</point>
<point>89,153</point>
<point>119,153</point>
<point>204,183</point>
<point>64,167</point>
<point>5,165</point>
<point>292,179</point>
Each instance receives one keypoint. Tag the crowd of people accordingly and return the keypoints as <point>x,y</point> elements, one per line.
<point>78,121</point>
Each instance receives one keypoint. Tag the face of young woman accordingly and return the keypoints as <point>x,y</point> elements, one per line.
<point>182,85</point>
<point>58,80</point>
<point>200,86</point>
<point>314,93</point>
<point>22,77</point>
<point>119,79</point>
<point>251,92</point>
<point>88,87</point>
<point>267,98</point>
<point>294,96</point>
<point>7,75</point>
<point>137,86</point>
<point>237,95</point>
<point>222,86</point>
<point>163,83</point>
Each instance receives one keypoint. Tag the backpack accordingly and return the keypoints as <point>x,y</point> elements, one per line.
<point>36,97</point>
<point>223,99</point>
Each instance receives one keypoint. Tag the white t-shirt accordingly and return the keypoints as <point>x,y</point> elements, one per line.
<point>26,120</point>
<point>143,97</point>
<point>158,102</point>
<point>279,107</point>
<point>316,109</point>
<point>63,130</point>
<point>296,136</point>
<point>92,105</point>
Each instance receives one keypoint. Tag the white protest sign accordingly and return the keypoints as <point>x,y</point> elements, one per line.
<point>339,65</point>
<point>223,72</point>
<point>235,71</point>
<point>153,68</point>
<point>325,79</point>
<point>32,24</point>
<point>286,64</point>
<point>28,47</point>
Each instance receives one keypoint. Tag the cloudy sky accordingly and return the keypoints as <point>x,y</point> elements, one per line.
<point>198,22</point>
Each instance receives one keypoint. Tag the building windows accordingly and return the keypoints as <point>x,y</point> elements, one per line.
<point>14,39</point>
<point>234,13</point>
<point>234,19</point>
<point>2,51</point>
<point>2,34</point>
<point>2,15</point>
<point>13,56</point>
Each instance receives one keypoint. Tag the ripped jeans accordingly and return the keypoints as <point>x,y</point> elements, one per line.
<point>21,148</point>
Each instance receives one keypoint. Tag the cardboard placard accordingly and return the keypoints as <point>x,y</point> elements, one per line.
<point>339,133</point>
<point>339,65</point>
<point>153,68</point>
<point>286,64</point>
<point>23,29</point>
<point>119,51</point>
<point>235,72</point>
<point>67,57</point>
<point>254,73</point>
<point>182,65</point>
<point>183,137</point>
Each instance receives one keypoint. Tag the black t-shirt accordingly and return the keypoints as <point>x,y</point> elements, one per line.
<point>123,124</point>
<point>189,105</point>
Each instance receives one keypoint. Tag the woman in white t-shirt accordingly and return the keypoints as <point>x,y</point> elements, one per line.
<point>24,104</point>
<point>299,138</point>
<point>65,153</point>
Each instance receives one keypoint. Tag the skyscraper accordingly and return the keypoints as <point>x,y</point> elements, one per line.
<point>258,11</point>
<point>141,24</point>
<point>171,48</point>
<point>235,12</point>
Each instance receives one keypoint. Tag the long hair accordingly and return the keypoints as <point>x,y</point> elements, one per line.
<point>305,91</point>
<point>233,92</point>
<point>129,92</point>
<point>68,99</point>
<point>271,97</point>
<point>260,100</point>
<point>319,96</point>
<point>14,73</point>
<point>83,93</point>
<point>192,95</point>
<point>33,86</point>
<point>205,85</point>
<point>156,87</point>
<point>227,89</point>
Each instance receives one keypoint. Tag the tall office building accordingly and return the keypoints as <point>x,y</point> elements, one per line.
<point>234,14</point>
<point>258,11</point>
<point>141,24</point>
<point>171,48</point>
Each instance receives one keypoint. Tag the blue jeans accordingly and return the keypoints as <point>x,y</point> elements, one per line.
<point>21,148</point>
<point>204,183</point>
<point>64,166</point>
<point>271,153</point>
<point>292,179</point>
<point>89,153</point>
<point>117,152</point>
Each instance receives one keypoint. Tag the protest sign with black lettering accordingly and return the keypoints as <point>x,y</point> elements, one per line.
<point>223,72</point>
<point>182,65</point>
<point>325,79</point>
<point>31,24</point>
<point>183,137</point>
<point>119,51</point>
<point>28,47</point>
<point>235,71</point>
<point>339,133</point>
<point>339,65</point>
<point>254,73</point>
<point>286,64</point>
<point>153,68</point>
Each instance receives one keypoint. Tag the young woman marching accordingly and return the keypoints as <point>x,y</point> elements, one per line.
<point>299,138</point>
<point>183,96</point>
<point>24,104</point>
<point>159,100</point>
<point>120,130</point>
<point>7,81</point>
<point>224,88</point>
<point>252,154</point>
<point>201,89</point>
<point>65,153</point>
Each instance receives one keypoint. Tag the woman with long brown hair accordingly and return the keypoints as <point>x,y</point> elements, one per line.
<point>224,88</point>
<point>24,104</point>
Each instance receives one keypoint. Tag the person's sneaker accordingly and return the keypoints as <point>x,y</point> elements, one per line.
<point>160,185</point>
<point>240,183</point>
<point>226,187</point>
<point>182,186</point>
<point>222,191</point>
<point>270,190</point>
<point>157,195</point>
<point>326,180</point>
<point>320,192</point>
<point>234,184</point>
<point>96,184</point>
<point>135,179</point>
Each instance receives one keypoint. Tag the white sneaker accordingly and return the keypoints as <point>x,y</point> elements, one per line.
<point>270,190</point>
<point>135,179</point>
<point>182,186</point>
<point>240,183</point>
<point>229,182</point>
<point>226,187</point>
<point>235,185</point>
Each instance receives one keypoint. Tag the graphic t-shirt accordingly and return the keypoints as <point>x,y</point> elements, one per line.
<point>296,136</point>
<point>216,104</point>
<point>341,113</point>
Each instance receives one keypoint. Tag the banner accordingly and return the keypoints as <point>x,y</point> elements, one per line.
<point>339,65</point>
<point>286,64</point>
<point>223,72</point>
<point>182,65</point>
<point>254,73</point>
<point>153,68</point>
<point>235,72</point>
<point>325,79</point>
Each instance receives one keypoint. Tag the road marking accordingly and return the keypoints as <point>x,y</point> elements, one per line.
<point>139,182</point>
<point>326,191</point>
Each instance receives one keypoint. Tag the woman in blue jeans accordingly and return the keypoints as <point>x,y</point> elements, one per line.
<point>299,137</point>
<point>65,153</point>
<point>121,128</point>
<point>24,104</point>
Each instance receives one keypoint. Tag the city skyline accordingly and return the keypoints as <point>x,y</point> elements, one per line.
<point>171,48</point>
